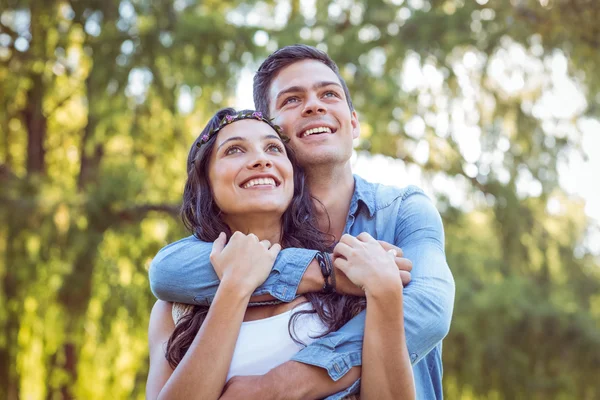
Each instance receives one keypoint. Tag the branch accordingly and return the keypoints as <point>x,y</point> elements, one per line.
<point>139,212</point>
<point>9,31</point>
<point>60,103</point>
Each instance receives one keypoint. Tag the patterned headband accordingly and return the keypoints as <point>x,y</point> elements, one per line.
<point>229,119</point>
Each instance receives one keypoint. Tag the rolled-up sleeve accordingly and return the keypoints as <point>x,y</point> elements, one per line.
<point>182,272</point>
<point>429,298</point>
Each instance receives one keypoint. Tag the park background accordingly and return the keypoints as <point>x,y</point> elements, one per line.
<point>491,106</point>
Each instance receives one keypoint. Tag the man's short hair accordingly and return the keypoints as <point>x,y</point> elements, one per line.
<point>282,58</point>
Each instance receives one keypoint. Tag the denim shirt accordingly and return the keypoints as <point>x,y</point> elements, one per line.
<point>405,217</point>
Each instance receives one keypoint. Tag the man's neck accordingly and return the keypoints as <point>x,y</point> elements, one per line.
<point>333,187</point>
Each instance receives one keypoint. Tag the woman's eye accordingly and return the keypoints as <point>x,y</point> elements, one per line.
<point>232,150</point>
<point>275,147</point>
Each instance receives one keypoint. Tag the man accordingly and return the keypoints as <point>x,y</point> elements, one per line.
<point>301,88</point>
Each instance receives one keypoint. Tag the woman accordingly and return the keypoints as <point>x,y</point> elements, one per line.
<point>243,179</point>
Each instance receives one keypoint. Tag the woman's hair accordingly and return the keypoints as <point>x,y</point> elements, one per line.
<point>201,216</point>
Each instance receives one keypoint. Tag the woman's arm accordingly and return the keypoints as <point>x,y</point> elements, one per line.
<point>386,368</point>
<point>244,263</point>
<point>202,372</point>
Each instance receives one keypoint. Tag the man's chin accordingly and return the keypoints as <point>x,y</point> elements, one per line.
<point>320,157</point>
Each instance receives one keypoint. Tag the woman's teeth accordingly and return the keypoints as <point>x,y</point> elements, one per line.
<point>259,181</point>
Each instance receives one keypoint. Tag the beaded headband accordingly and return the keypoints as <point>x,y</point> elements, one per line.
<point>229,119</point>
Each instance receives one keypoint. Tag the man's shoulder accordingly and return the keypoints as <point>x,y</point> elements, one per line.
<point>383,196</point>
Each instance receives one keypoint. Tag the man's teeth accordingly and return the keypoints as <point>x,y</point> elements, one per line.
<point>321,129</point>
<point>259,181</point>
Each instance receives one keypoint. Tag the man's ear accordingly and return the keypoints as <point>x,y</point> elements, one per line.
<point>355,125</point>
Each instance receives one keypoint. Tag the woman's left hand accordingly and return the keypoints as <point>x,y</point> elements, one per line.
<point>365,262</point>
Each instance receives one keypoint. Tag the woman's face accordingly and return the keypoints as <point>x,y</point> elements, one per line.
<point>249,170</point>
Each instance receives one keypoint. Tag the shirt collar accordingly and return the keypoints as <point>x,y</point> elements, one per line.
<point>364,192</point>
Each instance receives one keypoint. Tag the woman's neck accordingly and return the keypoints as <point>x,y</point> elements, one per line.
<point>264,226</point>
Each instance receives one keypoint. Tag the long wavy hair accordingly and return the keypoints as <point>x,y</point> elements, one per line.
<point>201,216</point>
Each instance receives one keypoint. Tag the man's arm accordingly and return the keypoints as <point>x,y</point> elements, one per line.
<point>428,303</point>
<point>182,272</point>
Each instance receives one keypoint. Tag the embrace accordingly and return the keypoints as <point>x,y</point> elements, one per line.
<point>300,280</point>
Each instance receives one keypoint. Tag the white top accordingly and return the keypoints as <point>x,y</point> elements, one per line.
<point>266,343</point>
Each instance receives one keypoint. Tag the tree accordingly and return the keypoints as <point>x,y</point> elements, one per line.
<point>101,100</point>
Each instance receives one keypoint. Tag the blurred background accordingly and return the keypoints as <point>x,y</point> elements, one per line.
<point>491,106</point>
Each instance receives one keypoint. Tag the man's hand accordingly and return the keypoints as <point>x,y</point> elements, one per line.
<point>247,387</point>
<point>404,264</point>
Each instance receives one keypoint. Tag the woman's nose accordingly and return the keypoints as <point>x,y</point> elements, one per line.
<point>261,162</point>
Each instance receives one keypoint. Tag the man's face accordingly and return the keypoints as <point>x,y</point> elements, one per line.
<point>308,102</point>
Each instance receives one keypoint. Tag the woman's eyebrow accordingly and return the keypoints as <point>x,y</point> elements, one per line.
<point>231,139</point>
<point>272,137</point>
<point>238,138</point>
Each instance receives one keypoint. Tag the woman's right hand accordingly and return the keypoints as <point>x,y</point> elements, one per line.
<point>244,261</point>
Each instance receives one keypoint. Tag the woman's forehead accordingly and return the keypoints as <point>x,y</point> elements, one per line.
<point>247,129</point>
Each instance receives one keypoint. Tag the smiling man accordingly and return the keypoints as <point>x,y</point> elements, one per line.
<point>301,88</point>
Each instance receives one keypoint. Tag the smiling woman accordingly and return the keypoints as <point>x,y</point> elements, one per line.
<point>246,193</point>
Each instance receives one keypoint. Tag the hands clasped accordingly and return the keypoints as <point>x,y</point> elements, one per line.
<point>244,259</point>
<point>369,263</point>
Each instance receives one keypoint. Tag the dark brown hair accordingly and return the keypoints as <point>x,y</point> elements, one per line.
<point>201,215</point>
<point>282,58</point>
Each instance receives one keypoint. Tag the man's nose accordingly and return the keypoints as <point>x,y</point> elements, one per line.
<point>314,106</point>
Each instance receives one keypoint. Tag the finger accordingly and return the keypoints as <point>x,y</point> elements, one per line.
<point>252,236</point>
<point>275,249</point>
<point>342,250</point>
<point>404,264</point>
<point>405,277</point>
<point>341,264</point>
<point>365,237</point>
<point>218,245</point>
<point>388,246</point>
<point>348,239</point>
<point>392,252</point>
<point>266,244</point>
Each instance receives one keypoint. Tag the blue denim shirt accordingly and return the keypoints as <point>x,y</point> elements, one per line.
<point>405,217</point>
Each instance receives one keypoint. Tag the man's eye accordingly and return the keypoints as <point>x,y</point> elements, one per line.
<point>290,100</point>
<point>232,150</point>
<point>330,94</point>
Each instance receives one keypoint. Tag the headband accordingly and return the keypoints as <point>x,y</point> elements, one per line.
<point>229,119</point>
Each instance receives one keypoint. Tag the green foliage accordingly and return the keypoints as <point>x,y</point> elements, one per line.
<point>94,135</point>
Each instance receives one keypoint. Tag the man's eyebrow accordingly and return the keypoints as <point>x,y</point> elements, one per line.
<point>235,138</point>
<point>296,89</point>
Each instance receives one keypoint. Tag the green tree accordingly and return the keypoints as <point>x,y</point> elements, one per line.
<point>100,101</point>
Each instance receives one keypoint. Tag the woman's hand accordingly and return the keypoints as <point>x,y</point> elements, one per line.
<point>366,263</point>
<point>244,261</point>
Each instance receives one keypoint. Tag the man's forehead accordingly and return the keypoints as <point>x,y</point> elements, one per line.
<point>305,74</point>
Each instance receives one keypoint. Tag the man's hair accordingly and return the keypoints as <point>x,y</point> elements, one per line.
<point>282,58</point>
